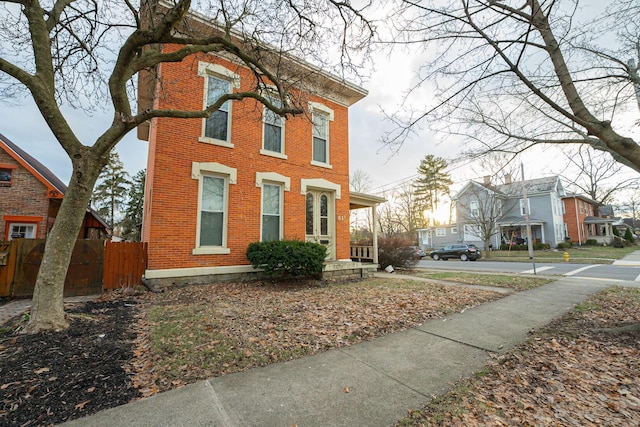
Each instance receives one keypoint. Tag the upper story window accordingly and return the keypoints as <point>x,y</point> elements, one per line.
<point>6,175</point>
<point>321,115</point>
<point>217,125</point>
<point>473,207</point>
<point>440,232</point>
<point>320,138</point>
<point>522,209</point>
<point>218,81</point>
<point>273,130</point>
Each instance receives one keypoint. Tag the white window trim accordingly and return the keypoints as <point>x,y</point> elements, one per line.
<point>454,230</point>
<point>522,212</point>
<point>205,70</point>
<point>321,184</point>
<point>440,232</point>
<point>230,176</point>
<point>273,153</point>
<point>273,177</point>
<point>280,185</point>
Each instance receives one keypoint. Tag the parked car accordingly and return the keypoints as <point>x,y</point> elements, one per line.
<point>418,252</point>
<point>462,251</point>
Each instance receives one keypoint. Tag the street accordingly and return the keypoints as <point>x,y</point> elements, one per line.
<point>593,271</point>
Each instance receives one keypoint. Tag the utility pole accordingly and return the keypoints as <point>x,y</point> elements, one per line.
<point>527,220</point>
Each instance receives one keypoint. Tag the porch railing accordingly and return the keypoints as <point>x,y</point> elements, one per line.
<point>362,253</point>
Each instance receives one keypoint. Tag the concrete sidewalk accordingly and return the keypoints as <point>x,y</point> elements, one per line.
<point>368,384</point>
<point>633,259</point>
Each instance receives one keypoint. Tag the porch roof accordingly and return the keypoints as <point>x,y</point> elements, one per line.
<point>361,200</point>
<point>513,221</point>
<point>598,220</point>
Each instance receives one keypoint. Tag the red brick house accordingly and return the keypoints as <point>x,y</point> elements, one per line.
<point>30,197</point>
<point>244,175</point>
<point>584,221</point>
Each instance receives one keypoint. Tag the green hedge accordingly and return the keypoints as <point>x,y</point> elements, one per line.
<point>286,258</point>
<point>536,247</point>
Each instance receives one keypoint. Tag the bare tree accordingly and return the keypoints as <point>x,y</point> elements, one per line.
<point>512,75</point>
<point>81,52</point>
<point>598,175</point>
<point>631,206</point>
<point>480,210</point>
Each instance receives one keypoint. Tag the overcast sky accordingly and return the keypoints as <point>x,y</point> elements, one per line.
<point>23,124</point>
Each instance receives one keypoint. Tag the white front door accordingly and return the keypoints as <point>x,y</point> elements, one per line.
<point>320,220</point>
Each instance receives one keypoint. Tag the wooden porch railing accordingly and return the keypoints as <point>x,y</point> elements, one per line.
<point>362,253</point>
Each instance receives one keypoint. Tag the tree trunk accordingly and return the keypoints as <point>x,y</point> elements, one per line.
<point>47,309</point>
<point>487,251</point>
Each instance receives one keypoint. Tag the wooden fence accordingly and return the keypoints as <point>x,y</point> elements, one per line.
<point>95,265</point>
<point>124,264</point>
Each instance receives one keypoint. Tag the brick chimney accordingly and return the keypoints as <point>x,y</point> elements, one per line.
<point>487,179</point>
<point>507,179</point>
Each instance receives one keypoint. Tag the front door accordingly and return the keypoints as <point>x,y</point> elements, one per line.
<point>320,220</point>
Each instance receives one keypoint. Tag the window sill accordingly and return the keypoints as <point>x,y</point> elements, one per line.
<point>322,165</point>
<point>273,154</point>
<point>218,142</point>
<point>210,250</point>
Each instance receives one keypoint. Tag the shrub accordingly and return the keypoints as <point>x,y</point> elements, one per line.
<point>396,251</point>
<point>287,258</point>
<point>615,231</point>
<point>628,235</point>
<point>591,242</point>
<point>565,245</point>
<point>618,242</point>
<point>536,247</point>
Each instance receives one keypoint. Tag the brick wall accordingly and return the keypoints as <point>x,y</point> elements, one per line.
<point>171,209</point>
<point>26,196</point>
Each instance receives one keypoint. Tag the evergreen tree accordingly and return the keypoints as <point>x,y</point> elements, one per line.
<point>111,190</point>
<point>433,182</point>
<point>134,211</point>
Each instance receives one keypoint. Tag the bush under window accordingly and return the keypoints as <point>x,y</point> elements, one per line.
<point>287,258</point>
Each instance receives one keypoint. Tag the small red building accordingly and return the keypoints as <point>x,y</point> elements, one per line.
<point>30,197</point>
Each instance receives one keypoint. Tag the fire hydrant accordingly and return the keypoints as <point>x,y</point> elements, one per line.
<point>566,256</point>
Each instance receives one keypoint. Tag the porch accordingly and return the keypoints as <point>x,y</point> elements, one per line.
<point>367,253</point>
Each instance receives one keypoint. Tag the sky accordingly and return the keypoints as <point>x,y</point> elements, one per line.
<point>22,123</point>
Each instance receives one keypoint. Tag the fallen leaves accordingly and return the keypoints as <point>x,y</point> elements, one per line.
<point>197,332</point>
<point>571,373</point>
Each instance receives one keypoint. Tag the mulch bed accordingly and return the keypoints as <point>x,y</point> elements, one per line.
<point>40,382</point>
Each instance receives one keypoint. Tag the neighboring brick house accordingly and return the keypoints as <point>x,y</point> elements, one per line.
<point>585,220</point>
<point>30,197</point>
<point>215,185</point>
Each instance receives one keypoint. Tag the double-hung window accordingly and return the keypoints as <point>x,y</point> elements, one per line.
<point>212,211</point>
<point>271,212</point>
<point>273,129</point>
<point>218,81</point>
<point>473,206</point>
<point>213,206</point>
<point>522,207</point>
<point>320,137</point>
<point>217,125</point>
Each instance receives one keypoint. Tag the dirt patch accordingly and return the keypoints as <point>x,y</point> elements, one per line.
<point>50,378</point>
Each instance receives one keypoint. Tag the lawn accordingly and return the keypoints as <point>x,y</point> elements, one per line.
<point>519,283</point>
<point>578,254</point>
<point>199,332</point>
